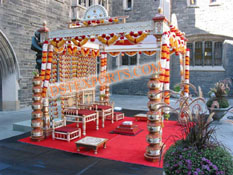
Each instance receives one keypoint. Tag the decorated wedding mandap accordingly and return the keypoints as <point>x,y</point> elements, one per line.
<point>66,115</point>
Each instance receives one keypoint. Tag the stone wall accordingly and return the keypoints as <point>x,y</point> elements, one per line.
<point>19,20</point>
<point>203,21</point>
<point>206,21</point>
<point>141,11</point>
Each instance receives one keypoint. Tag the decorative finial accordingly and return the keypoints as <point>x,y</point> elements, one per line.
<point>160,10</point>
<point>44,23</point>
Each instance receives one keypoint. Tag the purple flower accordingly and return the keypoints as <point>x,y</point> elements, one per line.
<point>198,170</point>
<point>189,161</point>
<point>203,159</point>
<point>195,173</point>
<point>180,163</point>
<point>221,172</point>
<point>189,173</point>
<point>215,167</point>
<point>206,167</point>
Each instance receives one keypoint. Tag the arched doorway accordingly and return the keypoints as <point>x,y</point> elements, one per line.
<point>9,75</point>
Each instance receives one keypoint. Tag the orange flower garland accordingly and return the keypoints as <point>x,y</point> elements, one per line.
<point>80,41</point>
<point>85,51</point>
<point>136,37</point>
<point>58,43</point>
<point>131,53</point>
<point>114,54</point>
<point>149,53</point>
<point>44,60</point>
<point>48,71</point>
<point>108,39</point>
<point>95,53</point>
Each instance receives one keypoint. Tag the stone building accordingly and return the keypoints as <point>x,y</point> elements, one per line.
<point>208,27</point>
<point>19,19</point>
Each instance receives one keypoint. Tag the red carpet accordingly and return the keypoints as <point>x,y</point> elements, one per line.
<point>123,148</point>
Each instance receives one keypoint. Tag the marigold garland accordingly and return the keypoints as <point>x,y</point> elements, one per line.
<point>59,50</point>
<point>136,37</point>
<point>108,40</point>
<point>149,53</point>
<point>58,43</point>
<point>131,53</point>
<point>85,51</point>
<point>114,54</point>
<point>44,60</point>
<point>79,42</point>
<point>95,53</point>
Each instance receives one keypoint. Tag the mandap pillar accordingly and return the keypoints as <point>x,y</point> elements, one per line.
<point>37,133</point>
<point>154,120</point>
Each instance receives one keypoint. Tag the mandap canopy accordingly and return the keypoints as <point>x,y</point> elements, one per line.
<point>74,51</point>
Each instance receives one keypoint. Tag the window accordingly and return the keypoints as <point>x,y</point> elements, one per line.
<point>128,60</point>
<point>198,53</point>
<point>218,53</point>
<point>192,3</point>
<point>205,53</point>
<point>128,4</point>
<point>213,1</point>
<point>101,2</point>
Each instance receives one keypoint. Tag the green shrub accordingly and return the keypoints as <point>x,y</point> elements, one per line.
<point>183,160</point>
<point>223,102</point>
<point>177,88</point>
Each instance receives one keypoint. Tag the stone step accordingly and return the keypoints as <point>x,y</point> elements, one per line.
<point>24,126</point>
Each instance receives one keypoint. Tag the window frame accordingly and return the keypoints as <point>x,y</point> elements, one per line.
<point>129,60</point>
<point>189,5</point>
<point>213,54</point>
<point>125,5</point>
<point>217,3</point>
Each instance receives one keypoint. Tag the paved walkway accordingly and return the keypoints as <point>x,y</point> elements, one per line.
<point>224,127</point>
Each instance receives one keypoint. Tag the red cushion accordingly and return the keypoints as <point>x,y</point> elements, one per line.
<point>117,113</point>
<point>66,129</point>
<point>102,107</point>
<point>85,112</point>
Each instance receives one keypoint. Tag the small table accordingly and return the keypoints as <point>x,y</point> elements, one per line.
<point>92,143</point>
<point>141,117</point>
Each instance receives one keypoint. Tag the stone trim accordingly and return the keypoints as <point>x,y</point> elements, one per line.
<point>207,68</point>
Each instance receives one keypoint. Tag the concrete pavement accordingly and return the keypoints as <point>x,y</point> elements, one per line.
<point>224,128</point>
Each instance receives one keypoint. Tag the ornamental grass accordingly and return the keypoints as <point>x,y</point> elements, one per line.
<point>197,152</point>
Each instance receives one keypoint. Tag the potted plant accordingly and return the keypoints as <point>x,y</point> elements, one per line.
<point>218,102</point>
<point>176,89</point>
<point>197,151</point>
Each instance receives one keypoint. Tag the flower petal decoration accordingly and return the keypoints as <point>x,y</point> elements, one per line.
<point>108,39</point>
<point>136,37</point>
<point>58,43</point>
<point>80,41</point>
<point>149,53</point>
<point>114,54</point>
<point>131,53</point>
